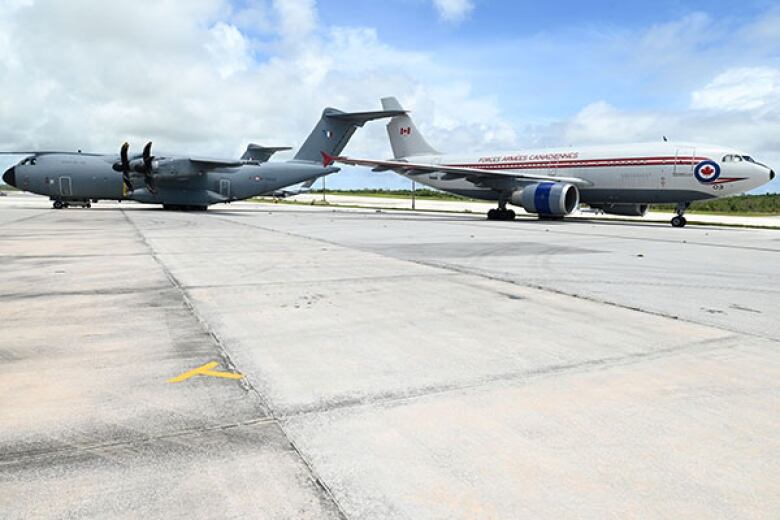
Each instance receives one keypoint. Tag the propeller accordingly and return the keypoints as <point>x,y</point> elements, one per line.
<point>146,167</point>
<point>124,166</point>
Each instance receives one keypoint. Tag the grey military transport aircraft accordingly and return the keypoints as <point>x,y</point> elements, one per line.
<point>181,182</point>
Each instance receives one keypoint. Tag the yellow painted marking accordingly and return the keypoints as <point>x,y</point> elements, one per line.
<point>205,370</point>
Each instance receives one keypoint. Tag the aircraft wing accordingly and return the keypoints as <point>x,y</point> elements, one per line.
<point>212,164</point>
<point>451,172</point>
<point>51,152</point>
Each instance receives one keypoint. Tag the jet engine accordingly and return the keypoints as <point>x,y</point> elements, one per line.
<point>555,199</point>
<point>627,210</point>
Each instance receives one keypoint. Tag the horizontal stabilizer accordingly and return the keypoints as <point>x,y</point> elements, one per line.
<point>308,184</point>
<point>361,118</point>
<point>256,152</point>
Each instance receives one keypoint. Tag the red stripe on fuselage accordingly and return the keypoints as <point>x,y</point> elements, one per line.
<point>725,180</point>
<point>587,163</point>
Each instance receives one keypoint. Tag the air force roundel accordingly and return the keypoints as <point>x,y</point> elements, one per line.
<point>707,171</point>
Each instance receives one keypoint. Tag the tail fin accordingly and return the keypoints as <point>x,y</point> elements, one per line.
<point>405,139</point>
<point>334,130</point>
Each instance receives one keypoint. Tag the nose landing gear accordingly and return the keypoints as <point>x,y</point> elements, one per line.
<point>679,220</point>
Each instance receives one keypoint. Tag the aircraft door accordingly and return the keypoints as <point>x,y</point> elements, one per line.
<point>224,188</point>
<point>65,188</point>
<point>683,166</point>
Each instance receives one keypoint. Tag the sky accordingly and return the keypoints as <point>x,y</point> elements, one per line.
<point>206,77</point>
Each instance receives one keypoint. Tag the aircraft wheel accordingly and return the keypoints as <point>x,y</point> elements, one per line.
<point>510,214</point>
<point>492,214</point>
<point>679,221</point>
<point>88,205</point>
<point>57,204</point>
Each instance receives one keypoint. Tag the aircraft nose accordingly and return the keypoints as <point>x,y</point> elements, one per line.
<point>771,175</point>
<point>9,177</point>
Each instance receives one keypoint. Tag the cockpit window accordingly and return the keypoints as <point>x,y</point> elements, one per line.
<point>732,158</point>
<point>28,160</point>
<point>748,158</point>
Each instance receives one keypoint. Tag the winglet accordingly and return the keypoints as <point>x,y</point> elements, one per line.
<point>327,159</point>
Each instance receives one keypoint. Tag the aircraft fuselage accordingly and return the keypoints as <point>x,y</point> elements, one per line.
<point>642,173</point>
<point>89,177</point>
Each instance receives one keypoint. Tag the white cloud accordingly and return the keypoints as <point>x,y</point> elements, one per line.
<point>200,77</point>
<point>746,88</point>
<point>453,11</point>
<point>298,18</point>
<point>185,74</point>
<point>229,49</point>
<point>600,122</point>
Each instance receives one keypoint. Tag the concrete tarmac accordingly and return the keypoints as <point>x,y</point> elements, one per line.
<point>363,364</point>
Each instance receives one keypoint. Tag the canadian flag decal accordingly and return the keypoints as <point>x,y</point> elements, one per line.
<point>406,131</point>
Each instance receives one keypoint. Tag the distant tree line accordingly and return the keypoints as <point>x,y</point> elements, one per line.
<point>767,204</point>
<point>423,193</point>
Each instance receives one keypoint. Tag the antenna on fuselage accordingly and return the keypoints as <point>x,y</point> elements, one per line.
<point>666,140</point>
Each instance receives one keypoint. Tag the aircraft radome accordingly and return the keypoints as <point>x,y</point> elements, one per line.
<point>179,182</point>
<point>616,179</point>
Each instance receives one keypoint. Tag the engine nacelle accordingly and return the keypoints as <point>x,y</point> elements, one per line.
<point>547,198</point>
<point>626,210</point>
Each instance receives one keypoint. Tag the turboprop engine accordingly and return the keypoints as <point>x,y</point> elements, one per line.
<point>627,210</point>
<point>555,199</point>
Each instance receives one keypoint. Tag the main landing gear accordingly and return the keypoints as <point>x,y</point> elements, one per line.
<point>60,204</point>
<point>180,207</point>
<point>501,213</point>
<point>679,220</point>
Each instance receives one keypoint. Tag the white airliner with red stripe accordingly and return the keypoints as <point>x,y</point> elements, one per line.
<point>618,179</point>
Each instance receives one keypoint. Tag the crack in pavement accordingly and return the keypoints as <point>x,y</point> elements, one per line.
<point>517,283</point>
<point>523,376</point>
<point>228,363</point>
<point>94,292</point>
<point>37,454</point>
